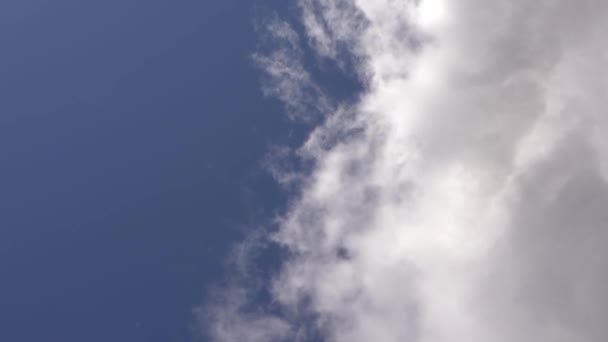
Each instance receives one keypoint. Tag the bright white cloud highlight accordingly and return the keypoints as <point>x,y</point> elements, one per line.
<point>470,204</point>
<point>430,13</point>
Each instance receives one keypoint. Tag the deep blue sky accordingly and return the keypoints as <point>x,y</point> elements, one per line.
<point>130,138</point>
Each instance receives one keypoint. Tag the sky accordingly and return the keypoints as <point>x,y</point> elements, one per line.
<point>131,139</point>
<point>303,170</point>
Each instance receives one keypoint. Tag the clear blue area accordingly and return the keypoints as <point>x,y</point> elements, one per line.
<point>131,134</point>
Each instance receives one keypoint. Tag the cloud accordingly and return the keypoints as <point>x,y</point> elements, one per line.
<point>285,77</point>
<point>462,197</point>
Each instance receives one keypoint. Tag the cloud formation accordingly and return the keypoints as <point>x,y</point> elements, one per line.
<point>463,196</point>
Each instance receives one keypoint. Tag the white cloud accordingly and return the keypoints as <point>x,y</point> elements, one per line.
<point>284,75</point>
<point>470,204</point>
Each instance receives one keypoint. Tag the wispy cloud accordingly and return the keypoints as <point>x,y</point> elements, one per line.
<point>463,196</point>
<point>285,76</point>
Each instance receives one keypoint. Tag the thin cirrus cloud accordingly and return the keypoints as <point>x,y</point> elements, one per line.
<point>468,199</point>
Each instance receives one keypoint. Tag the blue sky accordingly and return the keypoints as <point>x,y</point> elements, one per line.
<point>131,137</point>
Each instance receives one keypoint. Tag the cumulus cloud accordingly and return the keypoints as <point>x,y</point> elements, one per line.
<point>463,196</point>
